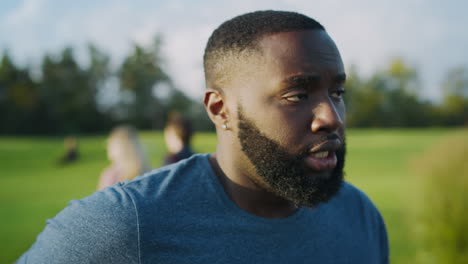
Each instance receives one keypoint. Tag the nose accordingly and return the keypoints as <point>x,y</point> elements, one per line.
<point>326,117</point>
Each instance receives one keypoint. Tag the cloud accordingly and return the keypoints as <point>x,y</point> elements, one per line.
<point>368,33</point>
<point>25,13</point>
<point>184,49</point>
<point>19,27</point>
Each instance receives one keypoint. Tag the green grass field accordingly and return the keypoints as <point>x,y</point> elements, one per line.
<point>33,188</point>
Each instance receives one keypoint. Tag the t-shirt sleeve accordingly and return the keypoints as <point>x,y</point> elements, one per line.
<point>376,227</point>
<point>383,242</point>
<point>101,228</point>
<point>358,205</point>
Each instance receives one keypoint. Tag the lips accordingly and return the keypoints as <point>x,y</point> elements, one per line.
<point>322,157</point>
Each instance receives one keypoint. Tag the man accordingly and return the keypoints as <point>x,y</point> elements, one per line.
<point>272,193</point>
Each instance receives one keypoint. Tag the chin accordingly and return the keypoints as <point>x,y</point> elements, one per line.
<point>319,174</point>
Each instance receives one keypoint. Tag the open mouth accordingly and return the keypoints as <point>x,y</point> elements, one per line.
<point>323,156</point>
<point>321,161</point>
<point>320,155</point>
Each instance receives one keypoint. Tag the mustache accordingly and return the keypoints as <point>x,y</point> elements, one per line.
<point>321,140</point>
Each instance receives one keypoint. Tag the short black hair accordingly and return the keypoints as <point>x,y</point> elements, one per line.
<point>242,33</point>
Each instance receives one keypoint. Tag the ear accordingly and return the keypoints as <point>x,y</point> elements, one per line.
<point>215,106</point>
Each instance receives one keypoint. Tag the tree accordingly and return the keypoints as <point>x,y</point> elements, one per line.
<point>455,103</point>
<point>18,98</point>
<point>387,99</point>
<point>68,93</point>
<point>139,75</point>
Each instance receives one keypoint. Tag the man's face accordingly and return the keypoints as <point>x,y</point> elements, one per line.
<point>291,117</point>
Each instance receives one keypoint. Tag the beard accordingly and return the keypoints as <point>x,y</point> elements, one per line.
<point>284,172</point>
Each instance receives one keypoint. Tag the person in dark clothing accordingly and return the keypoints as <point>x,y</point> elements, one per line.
<point>71,153</point>
<point>177,135</point>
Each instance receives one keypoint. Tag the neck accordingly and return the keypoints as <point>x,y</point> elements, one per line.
<point>248,195</point>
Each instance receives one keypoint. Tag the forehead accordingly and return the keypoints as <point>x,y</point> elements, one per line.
<point>301,52</point>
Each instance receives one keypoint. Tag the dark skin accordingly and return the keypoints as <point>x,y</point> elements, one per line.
<point>292,90</point>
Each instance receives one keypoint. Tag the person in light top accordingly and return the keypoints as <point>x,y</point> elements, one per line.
<point>126,155</point>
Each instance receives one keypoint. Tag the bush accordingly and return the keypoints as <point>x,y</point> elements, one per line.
<point>440,211</point>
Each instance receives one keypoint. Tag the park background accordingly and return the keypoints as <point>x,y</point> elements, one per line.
<point>81,68</point>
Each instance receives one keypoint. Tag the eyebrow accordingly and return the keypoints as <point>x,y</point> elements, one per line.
<point>304,79</point>
<point>340,78</point>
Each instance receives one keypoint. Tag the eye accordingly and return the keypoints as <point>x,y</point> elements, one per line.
<point>297,97</point>
<point>337,94</point>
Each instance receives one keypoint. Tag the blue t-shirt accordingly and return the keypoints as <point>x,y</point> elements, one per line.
<point>181,214</point>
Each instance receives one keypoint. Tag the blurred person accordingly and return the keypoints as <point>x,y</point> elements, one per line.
<point>177,136</point>
<point>274,190</point>
<point>71,153</point>
<point>126,155</point>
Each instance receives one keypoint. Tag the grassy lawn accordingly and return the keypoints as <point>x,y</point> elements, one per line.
<point>33,188</point>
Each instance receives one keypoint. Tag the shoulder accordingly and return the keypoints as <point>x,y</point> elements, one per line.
<point>351,195</point>
<point>100,226</point>
<point>189,167</point>
<point>360,210</point>
<point>352,208</point>
<point>168,180</point>
<point>357,206</point>
<point>363,214</point>
<point>106,224</point>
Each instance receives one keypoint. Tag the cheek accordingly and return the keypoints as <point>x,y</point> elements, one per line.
<point>286,128</point>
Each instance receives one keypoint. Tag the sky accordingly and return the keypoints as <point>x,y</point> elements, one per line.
<point>430,35</point>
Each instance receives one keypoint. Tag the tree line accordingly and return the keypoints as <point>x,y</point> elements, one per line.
<point>62,96</point>
<point>392,97</point>
<point>66,97</point>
